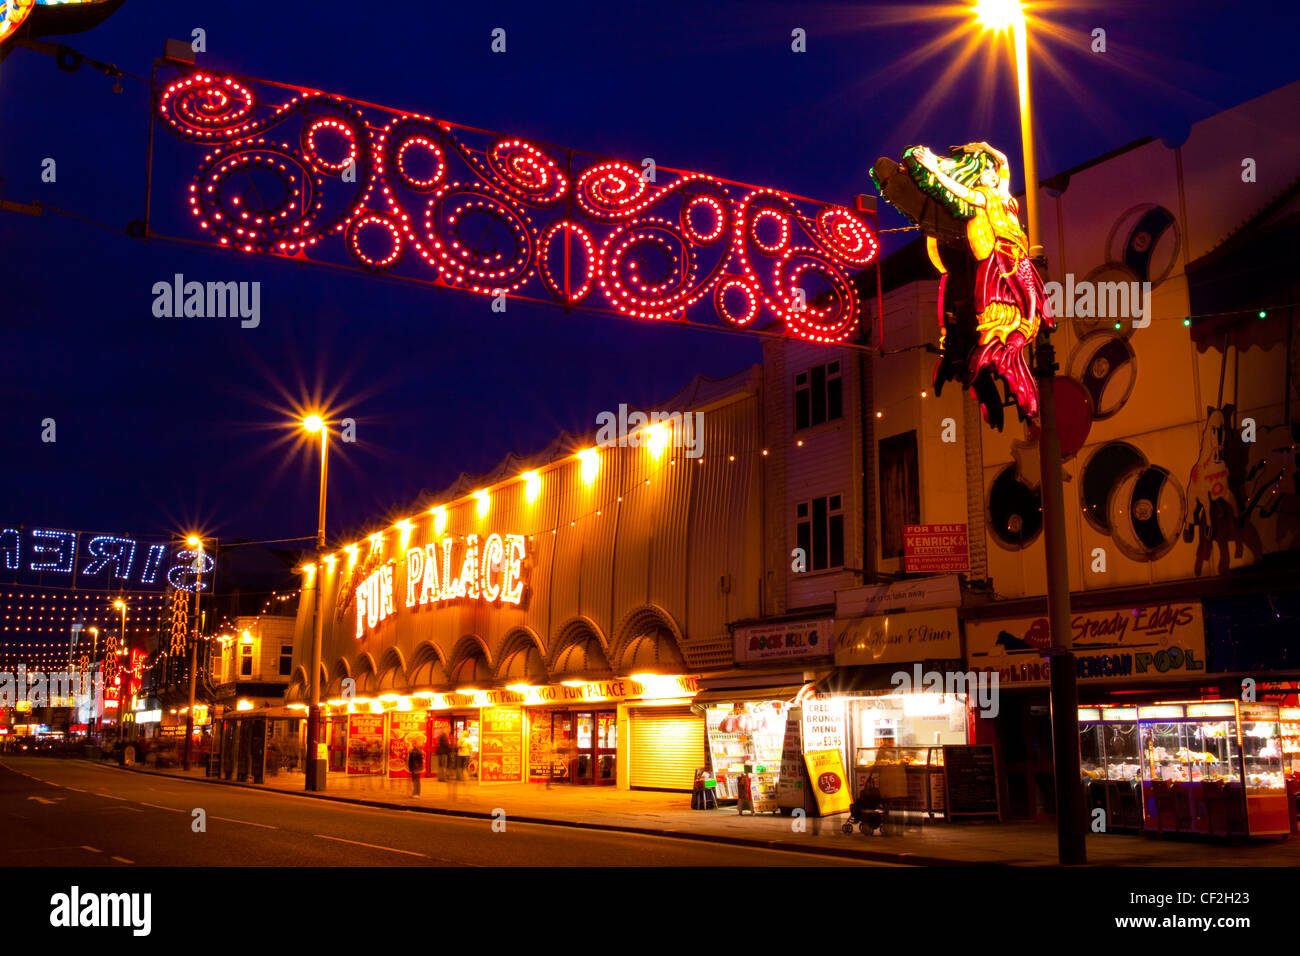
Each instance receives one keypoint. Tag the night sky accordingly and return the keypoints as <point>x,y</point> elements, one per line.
<point>167,424</point>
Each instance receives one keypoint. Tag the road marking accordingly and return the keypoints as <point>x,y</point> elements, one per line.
<point>91,849</point>
<point>78,789</point>
<point>122,859</point>
<point>157,807</point>
<point>248,823</point>
<point>373,846</point>
<point>48,803</point>
<point>110,796</point>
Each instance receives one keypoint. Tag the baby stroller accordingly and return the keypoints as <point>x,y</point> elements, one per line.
<point>868,811</point>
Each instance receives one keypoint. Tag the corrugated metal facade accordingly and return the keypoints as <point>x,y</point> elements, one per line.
<point>667,544</point>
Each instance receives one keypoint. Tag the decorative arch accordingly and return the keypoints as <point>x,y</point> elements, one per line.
<point>579,652</point>
<point>334,685</point>
<point>392,671</point>
<point>522,658</point>
<point>471,662</point>
<point>637,626</point>
<point>427,669</point>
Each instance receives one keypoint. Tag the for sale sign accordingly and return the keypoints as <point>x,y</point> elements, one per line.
<point>935,547</point>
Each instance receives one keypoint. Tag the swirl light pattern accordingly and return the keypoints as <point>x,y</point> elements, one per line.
<point>315,176</point>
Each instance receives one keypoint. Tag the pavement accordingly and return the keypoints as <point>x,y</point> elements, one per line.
<point>934,843</point>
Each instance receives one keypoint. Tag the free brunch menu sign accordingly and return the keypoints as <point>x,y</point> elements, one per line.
<point>501,744</point>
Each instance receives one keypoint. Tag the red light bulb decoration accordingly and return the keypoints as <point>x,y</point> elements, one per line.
<point>617,230</point>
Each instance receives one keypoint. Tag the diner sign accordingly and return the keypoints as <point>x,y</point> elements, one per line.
<point>1152,642</point>
<point>897,638</point>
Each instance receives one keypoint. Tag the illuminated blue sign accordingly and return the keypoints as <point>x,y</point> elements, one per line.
<point>102,560</point>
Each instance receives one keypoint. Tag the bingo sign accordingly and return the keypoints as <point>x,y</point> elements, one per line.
<point>794,639</point>
<point>935,547</point>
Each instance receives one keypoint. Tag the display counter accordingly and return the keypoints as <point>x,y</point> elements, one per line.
<point>909,778</point>
<point>1213,767</point>
<point>1111,765</point>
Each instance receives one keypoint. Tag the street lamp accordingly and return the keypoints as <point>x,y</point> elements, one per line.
<point>94,650</point>
<point>314,766</point>
<point>998,15</point>
<point>124,705</point>
<point>195,542</point>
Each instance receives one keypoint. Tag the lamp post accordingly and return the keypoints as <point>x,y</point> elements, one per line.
<point>124,698</point>
<point>1070,816</point>
<point>315,766</point>
<point>197,544</point>
<point>96,700</point>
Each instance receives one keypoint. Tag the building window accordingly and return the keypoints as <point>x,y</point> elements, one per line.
<point>246,660</point>
<point>900,492</point>
<point>286,659</point>
<point>818,395</point>
<point>819,530</point>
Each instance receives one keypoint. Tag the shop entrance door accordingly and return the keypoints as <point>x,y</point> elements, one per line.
<point>594,746</point>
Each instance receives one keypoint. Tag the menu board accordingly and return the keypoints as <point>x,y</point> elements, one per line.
<point>970,781</point>
<point>406,730</point>
<point>366,744</point>
<point>827,779</point>
<point>790,793</point>
<point>501,744</point>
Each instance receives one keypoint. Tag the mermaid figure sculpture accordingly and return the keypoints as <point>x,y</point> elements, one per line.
<point>991,298</point>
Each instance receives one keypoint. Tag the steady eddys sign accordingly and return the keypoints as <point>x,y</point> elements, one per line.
<point>1154,642</point>
<point>491,570</point>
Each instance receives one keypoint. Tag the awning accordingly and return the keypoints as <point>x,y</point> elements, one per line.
<point>859,679</point>
<point>723,695</point>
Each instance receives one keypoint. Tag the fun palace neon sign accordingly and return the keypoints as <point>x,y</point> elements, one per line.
<point>489,570</point>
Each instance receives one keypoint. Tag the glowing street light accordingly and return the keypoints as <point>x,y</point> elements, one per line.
<point>1070,823</point>
<point>315,766</point>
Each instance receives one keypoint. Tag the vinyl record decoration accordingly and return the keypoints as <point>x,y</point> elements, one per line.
<point>1106,365</point>
<point>1015,511</point>
<point>1146,511</point>
<point>1101,473</point>
<point>1145,239</point>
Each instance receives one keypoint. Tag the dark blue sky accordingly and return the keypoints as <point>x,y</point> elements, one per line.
<point>165,423</point>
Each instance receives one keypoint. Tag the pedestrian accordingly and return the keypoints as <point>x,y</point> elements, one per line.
<point>415,764</point>
<point>444,752</point>
<point>466,750</point>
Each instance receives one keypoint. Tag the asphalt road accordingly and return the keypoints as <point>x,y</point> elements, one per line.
<point>58,812</point>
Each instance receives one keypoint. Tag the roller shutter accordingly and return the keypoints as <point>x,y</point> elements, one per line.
<point>667,747</point>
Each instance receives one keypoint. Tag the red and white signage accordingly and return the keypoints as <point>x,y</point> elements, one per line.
<point>935,547</point>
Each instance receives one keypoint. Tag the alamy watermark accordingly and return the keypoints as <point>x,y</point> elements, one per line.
<point>55,689</point>
<point>981,686</point>
<point>1100,300</point>
<point>212,300</point>
<point>636,429</point>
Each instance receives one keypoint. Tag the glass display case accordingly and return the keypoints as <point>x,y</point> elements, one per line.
<point>1290,717</point>
<point>909,778</point>
<point>1212,767</point>
<point>1111,764</point>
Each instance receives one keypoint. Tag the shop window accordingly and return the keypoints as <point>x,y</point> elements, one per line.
<point>900,491</point>
<point>818,395</point>
<point>246,660</point>
<point>286,660</point>
<point>819,531</point>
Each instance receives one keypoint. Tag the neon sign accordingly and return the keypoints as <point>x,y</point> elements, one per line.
<point>991,298</point>
<point>386,191</point>
<point>104,560</point>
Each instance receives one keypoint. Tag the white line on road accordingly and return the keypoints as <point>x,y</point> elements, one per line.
<point>157,807</point>
<point>250,823</point>
<point>110,796</point>
<point>373,846</point>
<point>122,859</point>
<point>91,849</point>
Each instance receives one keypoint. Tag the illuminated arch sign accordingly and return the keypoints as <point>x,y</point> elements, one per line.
<point>318,177</point>
<point>87,560</point>
<point>489,570</point>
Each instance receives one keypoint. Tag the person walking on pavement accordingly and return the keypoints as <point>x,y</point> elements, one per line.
<point>415,764</point>
<point>444,755</point>
<point>466,752</point>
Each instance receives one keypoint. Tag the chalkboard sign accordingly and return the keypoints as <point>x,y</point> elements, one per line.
<point>971,781</point>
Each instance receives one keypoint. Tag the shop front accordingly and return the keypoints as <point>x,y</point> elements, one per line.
<point>1125,657</point>
<point>562,733</point>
